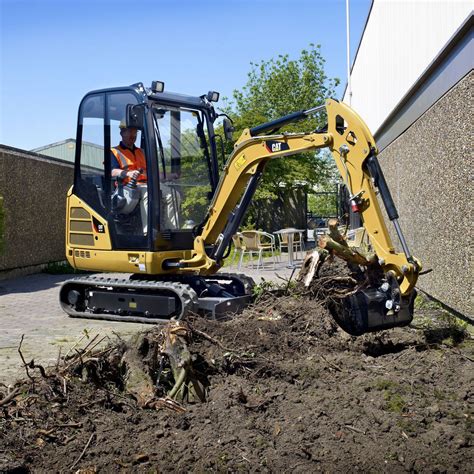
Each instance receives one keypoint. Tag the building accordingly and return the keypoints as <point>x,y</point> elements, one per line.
<point>65,150</point>
<point>412,81</point>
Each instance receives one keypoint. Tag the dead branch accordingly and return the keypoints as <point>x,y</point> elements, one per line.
<point>206,336</point>
<point>289,280</point>
<point>353,428</point>
<point>94,346</point>
<point>346,253</point>
<point>334,366</point>
<point>10,397</point>
<point>42,370</point>
<point>25,365</point>
<point>97,401</point>
<point>83,451</point>
<point>74,346</point>
<point>90,342</point>
<point>335,234</point>
<point>167,403</point>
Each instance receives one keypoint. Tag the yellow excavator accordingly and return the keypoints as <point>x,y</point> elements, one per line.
<point>174,235</point>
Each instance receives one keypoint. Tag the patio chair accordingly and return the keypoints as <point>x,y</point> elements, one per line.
<point>255,241</point>
<point>239,249</point>
<point>357,238</point>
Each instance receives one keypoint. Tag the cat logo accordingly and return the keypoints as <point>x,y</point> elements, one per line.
<point>98,226</point>
<point>274,146</point>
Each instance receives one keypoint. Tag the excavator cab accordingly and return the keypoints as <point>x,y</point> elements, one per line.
<point>176,136</point>
<point>171,226</point>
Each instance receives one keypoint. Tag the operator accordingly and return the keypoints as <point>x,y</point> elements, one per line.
<point>128,161</point>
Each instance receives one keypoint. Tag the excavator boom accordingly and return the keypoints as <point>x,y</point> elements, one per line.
<point>355,154</point>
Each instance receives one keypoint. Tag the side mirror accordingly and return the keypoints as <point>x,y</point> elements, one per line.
<point>135,116</point>
<point>228,128</point>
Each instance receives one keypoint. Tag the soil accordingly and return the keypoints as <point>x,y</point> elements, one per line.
<point>286,391</point>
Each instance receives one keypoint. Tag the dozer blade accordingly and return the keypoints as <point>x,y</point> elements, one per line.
<point>223,308</point>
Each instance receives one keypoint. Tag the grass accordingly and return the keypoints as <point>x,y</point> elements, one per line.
<point>247,259</point>
<point>423,302</point>
<point>392,394</point>
<point>61,268</point>
<point>438,323</point>
<point>262,288</point>
<point>395,402</point>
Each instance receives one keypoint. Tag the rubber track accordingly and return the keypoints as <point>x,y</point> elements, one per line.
<point>187,296</point>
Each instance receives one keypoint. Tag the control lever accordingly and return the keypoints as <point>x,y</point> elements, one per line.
<point>133,181</point>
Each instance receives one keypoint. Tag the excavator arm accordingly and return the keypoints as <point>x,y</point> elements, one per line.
<point>382,305</point>
<point>355,154</point>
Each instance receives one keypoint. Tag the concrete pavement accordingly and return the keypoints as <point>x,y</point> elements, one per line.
<point>29,305</point>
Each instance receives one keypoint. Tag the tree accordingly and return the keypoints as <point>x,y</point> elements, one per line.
<point>274,88</point>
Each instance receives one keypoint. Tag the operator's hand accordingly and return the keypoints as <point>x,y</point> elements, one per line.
<point>133,174</point>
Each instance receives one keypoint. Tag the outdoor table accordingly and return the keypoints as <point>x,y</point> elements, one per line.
<point>290,232</point>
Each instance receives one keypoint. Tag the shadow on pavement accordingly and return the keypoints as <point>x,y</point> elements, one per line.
<point>32,283</point>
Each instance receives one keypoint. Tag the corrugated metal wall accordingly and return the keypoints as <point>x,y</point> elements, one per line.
<point>400,40</point>
<point>92,155</point>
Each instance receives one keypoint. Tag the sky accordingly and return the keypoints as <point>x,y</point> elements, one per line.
<point>52,52</point>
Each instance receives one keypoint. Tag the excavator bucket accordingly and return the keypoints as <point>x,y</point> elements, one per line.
<point>365,312</point>
<point>361,297</point>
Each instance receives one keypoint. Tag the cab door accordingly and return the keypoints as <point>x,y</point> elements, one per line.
<point>100,115</point>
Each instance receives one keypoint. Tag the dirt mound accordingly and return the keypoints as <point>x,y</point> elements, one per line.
<point>285,391</point>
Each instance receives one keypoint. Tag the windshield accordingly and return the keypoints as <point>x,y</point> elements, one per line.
<point>183,153</point>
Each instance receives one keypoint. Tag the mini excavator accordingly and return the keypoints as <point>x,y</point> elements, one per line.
<point>175,249</point>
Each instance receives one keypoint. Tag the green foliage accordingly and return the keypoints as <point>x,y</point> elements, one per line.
<point>322,205</point>
<point>194,183</point>
<point>61,268</point>
<point>195,203</point>
<point>262,288</point>
<point>383,384</point>
<point>407,425</point>
<point>395,402</point>
<point>275,88</point>
<point>247,260</point>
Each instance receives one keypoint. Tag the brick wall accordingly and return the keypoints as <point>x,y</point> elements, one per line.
<point>34,190</point>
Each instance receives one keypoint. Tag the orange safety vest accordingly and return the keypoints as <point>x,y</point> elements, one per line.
<point>131,160</point>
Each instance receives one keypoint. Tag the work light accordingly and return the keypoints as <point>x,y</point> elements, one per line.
<point>212,96</point>
<point>157,86</point>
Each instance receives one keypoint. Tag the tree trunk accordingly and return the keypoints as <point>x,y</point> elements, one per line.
<point>187,386</point>
<point>137,379</point>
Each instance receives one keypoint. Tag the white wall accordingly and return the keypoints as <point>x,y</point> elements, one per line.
<point>401,39</point>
